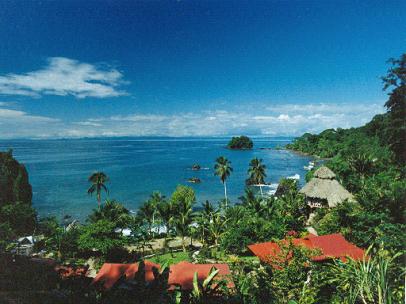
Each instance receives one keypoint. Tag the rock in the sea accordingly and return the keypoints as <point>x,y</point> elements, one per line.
<point>196,167</point>
<point>194,180</point>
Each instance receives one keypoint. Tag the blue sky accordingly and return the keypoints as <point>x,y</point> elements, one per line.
<point>193,68</point>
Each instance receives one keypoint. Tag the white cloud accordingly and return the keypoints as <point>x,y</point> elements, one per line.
<point>14,116</point>
<point>280,120</point>
<point>88,123</point>
<point>289,120</point>
<point>64,76</point>
<point>16,123</point>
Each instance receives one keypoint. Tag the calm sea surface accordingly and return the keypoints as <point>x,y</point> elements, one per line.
<point>58,169</point>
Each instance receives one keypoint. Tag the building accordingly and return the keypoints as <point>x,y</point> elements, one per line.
<point>25,245</point>
<point>323,190</point>
<point>330,246</point>
<point>110,273</point>
<point>180,274</point>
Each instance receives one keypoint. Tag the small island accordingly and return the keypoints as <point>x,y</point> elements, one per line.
<point>240,143</point>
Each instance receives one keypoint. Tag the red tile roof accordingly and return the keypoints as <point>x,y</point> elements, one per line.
<point>180,274</point>
<point>70,271</point>
<point>331,246</point>
<point>109,274</point>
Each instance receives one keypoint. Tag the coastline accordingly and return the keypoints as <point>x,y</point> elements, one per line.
<point>137,168</point>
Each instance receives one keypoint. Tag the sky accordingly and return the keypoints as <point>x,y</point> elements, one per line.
<point>193,68</point>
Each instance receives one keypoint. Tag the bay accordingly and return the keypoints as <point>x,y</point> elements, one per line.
<point>58,169</point>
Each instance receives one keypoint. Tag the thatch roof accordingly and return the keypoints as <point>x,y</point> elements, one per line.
<point>324,173</point>
<point>324,186</point>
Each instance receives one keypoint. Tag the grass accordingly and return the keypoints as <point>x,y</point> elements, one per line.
<point>174,258</point>
<point>249,258</point>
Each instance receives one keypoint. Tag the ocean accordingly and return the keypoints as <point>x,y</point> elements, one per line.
<point>58,169</point>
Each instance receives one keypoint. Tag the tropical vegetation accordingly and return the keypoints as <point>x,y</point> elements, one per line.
<point>368,161</point>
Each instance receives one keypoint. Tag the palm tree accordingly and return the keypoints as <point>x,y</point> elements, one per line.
<point>155,199</point>
<point>165,211</point>
<point>112,211</point>
<point>147,213</point>
<point>223,170</point>
<point>203,219</point>
<point>184,219</point>
<point>98,180</point>
<point>183,199</point>
<point>251,201</point>
<point>256,173</point>
<point>217,227</point>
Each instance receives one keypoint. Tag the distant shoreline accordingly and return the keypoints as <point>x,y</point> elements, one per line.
<point>140,138</point>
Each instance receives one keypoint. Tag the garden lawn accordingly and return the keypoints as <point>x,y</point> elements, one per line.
<point>174,258</point>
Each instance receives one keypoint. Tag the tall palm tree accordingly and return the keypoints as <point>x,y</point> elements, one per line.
<point>98,180</point>
<point>256,173</point>
<point>223,170</point>
<point>155,199</point>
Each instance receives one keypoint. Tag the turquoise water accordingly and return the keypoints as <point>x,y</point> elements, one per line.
<point>58,169</point>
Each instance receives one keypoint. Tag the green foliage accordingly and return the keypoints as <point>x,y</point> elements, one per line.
<point>291,270</point>
<point>240,142</point>
<point>368,281</point>
<point>211,290</point>
<point>20,217</point>
<point>249,228</point>
<point>289,277</point>
<point>111,211</point>
<point>155,207</point>
<point>253,282</point>
<point>166,214</point>
<point>100,237</point>
<point>366,162</point>
<point>147,213</point>
<point>63,242</point>
<point>259,219</point>
<point>251,201</point>
<point>396,105</point>
<point>183,199</point>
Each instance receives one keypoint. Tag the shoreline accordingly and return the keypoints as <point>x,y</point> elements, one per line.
<point>308,154</point>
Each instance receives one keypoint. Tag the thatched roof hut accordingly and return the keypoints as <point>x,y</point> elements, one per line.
<point>323,188</point>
